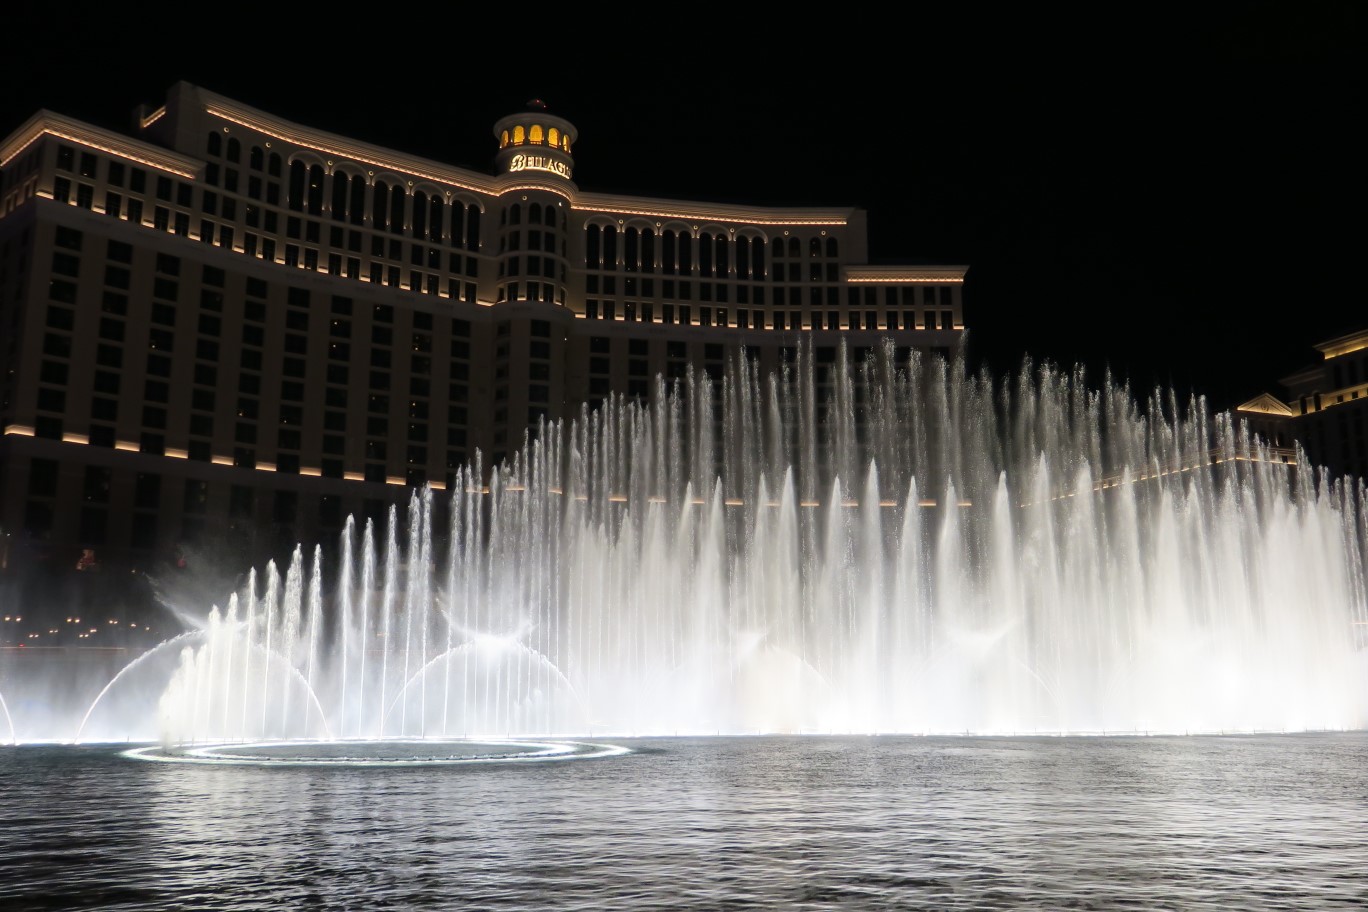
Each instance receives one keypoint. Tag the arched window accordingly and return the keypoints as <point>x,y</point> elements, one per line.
<point>685,254</point>
<point>778,247</point>
<point>256,158</point>
<point>815,247</point>
<point>357,207</point>
<point>667,253</point>
<point>420,215</point>
<point>380,206</point>
<point>720,266</point>
<point>515,214</point>
<point>234,149</point>
<point>396,218</point>
<point>215,143</point>
<point>631,250</point>
<point>705,251</point>
<point>503,139</point>
<point>457,223</point>
<point>648,251</point>
<point>339,196</point>
<point>593,252</point>
<point>757,258</point>
<point>565,142</point>
<point>273,166</point>
<point>831,247</point>
<point>610,247</point>
<point>534,212</point>
<point>316,190</point>
<point>435,212</point>
<point>518,136</point>
<point>472,235</point>
<point>743,249</point>
<point>534,135</point>
<point>553,137</point>
<point>297,186</point>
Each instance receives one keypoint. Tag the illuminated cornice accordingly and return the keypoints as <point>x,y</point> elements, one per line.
<point>890,274</point>
<point>1344,345</point>
<point>508,183</point>
<point>127,446</point>
<point>339,147</point>
<point>739,216</point>
<point>330,144</point>
<point>152,118</point>
<point>45,123</point>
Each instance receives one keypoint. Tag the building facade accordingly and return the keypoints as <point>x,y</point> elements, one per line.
<point>225,329</point>
<point>1324,408</point>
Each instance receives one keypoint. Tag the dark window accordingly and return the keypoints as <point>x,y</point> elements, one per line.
<point>63,291</point>
<point>43,478</point>
<point>117,277</point>
<point>55,372</point>
<point>70,238</point>
<point>61,318</point>
<point>147,493</point>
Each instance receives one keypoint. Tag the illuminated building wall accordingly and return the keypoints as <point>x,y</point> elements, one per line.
<point>1324,409</point>
<point>229,328</point>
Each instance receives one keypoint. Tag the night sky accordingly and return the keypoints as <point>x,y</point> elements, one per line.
<point>1179,200</point>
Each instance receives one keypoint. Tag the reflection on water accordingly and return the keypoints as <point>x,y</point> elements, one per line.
<point>1247,822</point>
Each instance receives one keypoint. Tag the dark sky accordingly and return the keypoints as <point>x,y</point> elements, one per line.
<point>1177,198</point>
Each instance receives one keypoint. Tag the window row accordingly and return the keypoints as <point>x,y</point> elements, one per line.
<point>671,253</point>
<point>744,318</point>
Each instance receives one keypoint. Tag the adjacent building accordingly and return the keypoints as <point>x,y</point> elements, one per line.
<point>1323,408</point>
<point>223,329</point>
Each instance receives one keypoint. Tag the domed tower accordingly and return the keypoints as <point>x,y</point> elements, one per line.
<point>534,169</point>
<point>535,154</point>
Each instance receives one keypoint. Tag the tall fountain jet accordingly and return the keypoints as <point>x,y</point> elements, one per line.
<point>893,545</point>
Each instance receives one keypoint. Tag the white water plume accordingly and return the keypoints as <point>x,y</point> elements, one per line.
<point>885,546</point>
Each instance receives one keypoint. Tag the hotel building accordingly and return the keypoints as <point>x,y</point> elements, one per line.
<point>1324,408</point>
<point>230,330</point>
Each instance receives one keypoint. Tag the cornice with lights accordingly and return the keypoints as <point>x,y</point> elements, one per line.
<point>45,123</point>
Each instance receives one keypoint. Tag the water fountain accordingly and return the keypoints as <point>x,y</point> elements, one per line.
<point>9,722</point>
<point>893,545</point>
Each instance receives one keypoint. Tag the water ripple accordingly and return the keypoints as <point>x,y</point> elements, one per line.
<point>1266,822</point>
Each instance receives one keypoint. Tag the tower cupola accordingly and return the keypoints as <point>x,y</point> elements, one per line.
<point>535,142</point>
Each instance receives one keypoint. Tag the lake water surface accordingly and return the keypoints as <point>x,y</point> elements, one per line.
<point>1201,822</point>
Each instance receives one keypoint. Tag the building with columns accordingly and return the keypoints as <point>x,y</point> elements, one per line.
<point>1323,408</point>
<point>228,330</point>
